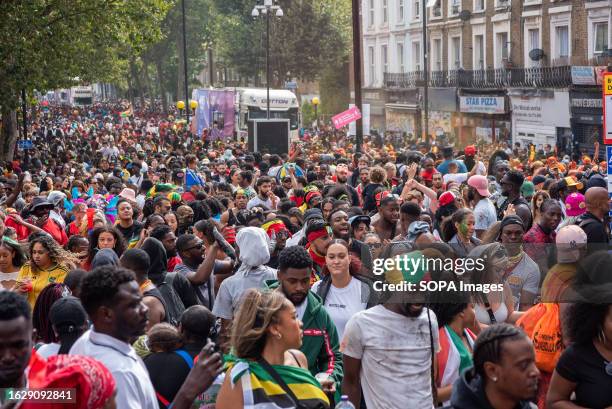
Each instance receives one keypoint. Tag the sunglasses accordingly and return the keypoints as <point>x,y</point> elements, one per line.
<point>197,246</point>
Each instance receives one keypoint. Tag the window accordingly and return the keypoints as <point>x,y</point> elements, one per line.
<point>416,8</point>
<point>436,10</point>
<point>385,10</point>
<point>437,54</point>
<point>400,57</point>
<point>479,5</point>
<point>600,35</point>
<point>562,41</point>
<point>533,35</point>
<point>400,11</point>
<point>455,7</point>
<point>479,62</point>
<point>416,56</point>
<point>385,59</point>
<point>371,13</point>
<point>503,3</point>
<point>456,52</point>
<point>503,52</point>
<point>372,65</point>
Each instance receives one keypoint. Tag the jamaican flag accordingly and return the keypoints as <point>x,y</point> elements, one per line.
<point>260,390</point>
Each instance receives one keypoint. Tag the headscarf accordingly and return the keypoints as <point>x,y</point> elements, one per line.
<point>93,382</point>
<point>415,229</point>
<point>159,259</point>
<point>254,250</point>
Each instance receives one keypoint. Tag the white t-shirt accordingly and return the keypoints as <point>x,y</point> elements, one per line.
<point>462,177</point>
<point>484,213</point>
<point>48,350</point>
<point>342,303</point>
<point>395,353</point>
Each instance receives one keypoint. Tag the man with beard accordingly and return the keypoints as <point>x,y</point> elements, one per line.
<point>388,351</point>
<point>320,342</point>
<point>511,189</point>
<point>113,301</point>
<point>265,196</point>
<point>164,234</point>
<point>386,223</point>
<point>15,341</point>
<point>200,270</point>
<point>342,173</point>
<point>339,223</point>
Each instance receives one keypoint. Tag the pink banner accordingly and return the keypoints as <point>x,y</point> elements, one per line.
<point>346,117</point>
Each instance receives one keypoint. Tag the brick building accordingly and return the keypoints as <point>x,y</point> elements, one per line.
<point>527,71</point>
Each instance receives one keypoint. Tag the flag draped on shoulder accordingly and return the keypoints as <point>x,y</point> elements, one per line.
<point>260,390</point>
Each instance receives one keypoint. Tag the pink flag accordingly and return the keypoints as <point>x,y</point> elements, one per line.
<point>346,117</point>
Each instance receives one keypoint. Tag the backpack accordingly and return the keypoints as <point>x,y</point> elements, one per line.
<point>174,304</point>
<point>541,323</point>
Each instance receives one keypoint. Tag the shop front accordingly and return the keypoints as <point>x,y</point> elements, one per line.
<point>483,119</point>
<point>586,119</point>
<point>403,115</point>
<point>540,117</point>
<point>442,113</point>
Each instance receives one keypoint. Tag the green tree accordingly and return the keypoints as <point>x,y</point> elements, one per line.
<point>49,44</point>
<point>308,114</point>
<point>310,37</point>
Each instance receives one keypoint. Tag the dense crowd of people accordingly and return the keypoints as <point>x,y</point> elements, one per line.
<point>144,267</point>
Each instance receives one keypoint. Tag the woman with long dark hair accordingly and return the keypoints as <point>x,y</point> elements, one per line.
<point>458,232</point>
<point>105,238</point>
<point>49,263</point>
<point>12,258</point>
<point>40,314</point>
<point>343,291</point>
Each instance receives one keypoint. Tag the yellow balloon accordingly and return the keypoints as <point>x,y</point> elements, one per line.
<point>180,104</point>
<point>193,104</point>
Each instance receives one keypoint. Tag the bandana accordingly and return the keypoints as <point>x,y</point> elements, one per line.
<point>313,235</point>
<point>93,382</point>
<point>274,227</point>
<point>380,196</point>
<point>311,195</point>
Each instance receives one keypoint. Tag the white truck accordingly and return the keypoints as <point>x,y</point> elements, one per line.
<point>251,103</point>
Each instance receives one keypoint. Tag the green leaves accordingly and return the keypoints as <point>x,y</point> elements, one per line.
<point>47,44</point>
<point>311,36</point>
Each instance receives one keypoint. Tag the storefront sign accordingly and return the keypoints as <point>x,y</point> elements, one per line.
<point>583,76</point>
<point>483,105</point>
<point>527,110</point>
<point>607,108</point>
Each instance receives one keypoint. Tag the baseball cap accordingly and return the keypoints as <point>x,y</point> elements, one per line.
<point>360,218</point>
<point>570,239</point>
<point>446,198</point>
<point>575,204</point>
<point>538,179</point>
<point>67,315</point>
<point>481,185</point>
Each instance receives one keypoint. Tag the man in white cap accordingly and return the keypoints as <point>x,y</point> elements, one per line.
<point>571,243</point>
<point>484,210</point>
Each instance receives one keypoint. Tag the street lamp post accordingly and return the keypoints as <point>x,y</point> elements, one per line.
<point>266,9</point>
<point>315,102</point>
<point>185,59</point>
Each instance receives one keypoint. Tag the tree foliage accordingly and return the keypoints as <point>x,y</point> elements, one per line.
<point>311,36</point>
<point>47,44</point>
